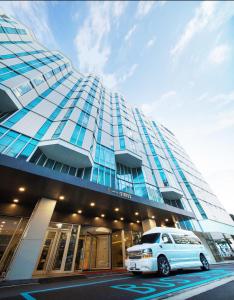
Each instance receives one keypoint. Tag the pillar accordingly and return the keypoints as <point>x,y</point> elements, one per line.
<point>148,224</point>
<point>26,256</point>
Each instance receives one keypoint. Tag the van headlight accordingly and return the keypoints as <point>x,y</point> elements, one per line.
<point>147,253</point>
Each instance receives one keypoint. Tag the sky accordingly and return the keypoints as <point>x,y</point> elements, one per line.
<point>174,60</point>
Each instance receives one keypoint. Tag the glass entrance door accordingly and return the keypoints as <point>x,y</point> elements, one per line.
<point>96,253</point>
<point>94,249</point>
<point>57,254</point>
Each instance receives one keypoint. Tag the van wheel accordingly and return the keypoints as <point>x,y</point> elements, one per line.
<point>205,264</point>
<point>164,267</point>
<point>136,273</point>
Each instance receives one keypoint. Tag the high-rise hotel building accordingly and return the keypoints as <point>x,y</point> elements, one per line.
<point>82,174</point>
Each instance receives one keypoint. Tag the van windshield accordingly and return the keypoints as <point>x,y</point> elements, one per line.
<point>150,238</point>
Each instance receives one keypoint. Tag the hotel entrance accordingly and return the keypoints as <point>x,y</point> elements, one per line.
<point>57,253</point>
<point>76,248</point>
<point>94,249</point>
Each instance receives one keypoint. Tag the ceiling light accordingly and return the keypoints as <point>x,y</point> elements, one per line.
<point>131,223</point>
<point>92,204</point>
<point>138,221</point>
<point>166,220</point>
<point>102,215</point>
<point>74,214</point>
<point>121,219</point>
<point>1,225</point>
<point>96,218</point>
<point>79,211</point>
<point>22,189</point>
<point>61,197</point>
<point>115,221</point>
<point>153,217</point>
<point>136,213</point>
<point>16,200</point>
<point>3,222</point>
<point>116,209</point>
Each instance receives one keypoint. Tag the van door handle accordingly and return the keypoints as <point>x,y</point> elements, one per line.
<point>160,246</point>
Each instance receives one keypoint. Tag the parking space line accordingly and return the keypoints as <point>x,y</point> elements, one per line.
<point>183,287</point>
<point>28,296</point>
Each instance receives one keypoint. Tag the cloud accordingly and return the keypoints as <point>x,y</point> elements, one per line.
<point>130,32</point>
<point>119,8</point>
<point>34,15</point>
<point>219,54</point>
<point>209,15</point>
<point>129,73</point>
<point>151,108</point>
<point>92,39</point>
<point>143,8</point>
<point>151,42</point>
<point>203,15</point>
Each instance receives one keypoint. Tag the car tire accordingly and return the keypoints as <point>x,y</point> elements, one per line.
<point>205,264</point>
<point>164,267</point>
<point>135,273</point>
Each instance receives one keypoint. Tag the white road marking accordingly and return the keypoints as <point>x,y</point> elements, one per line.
<point>201,289</point>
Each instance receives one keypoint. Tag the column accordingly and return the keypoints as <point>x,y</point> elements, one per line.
<point>148,224</point>
<point>26,256</point>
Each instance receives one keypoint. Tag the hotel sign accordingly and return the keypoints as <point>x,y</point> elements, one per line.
<point>121,194</point>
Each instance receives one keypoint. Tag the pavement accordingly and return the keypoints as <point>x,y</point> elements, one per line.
<point>185,284</point>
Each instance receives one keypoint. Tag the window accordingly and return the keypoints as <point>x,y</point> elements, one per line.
<point>150,238</point>
<point>23,89</point>
<point>180,239</point>
<point>37,81</point>
<point>166,239</point>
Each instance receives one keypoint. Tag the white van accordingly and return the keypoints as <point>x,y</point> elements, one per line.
<point>164,249</point>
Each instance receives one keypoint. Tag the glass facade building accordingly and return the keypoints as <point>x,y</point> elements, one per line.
<point>62,126</point>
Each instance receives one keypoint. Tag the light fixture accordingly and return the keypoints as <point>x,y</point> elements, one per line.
<point>96,218</point>
<point>153,217</point>
<point>1,225</point>
<point>131,223</point>
<point>166,220</point>
<point>74,214</point>
<point>138,221</point>
<point>21,189</point>
<point>16,200</point>
<point>115,221</point>
<point>13,205</point>
<point>61,197</point>
<point>136,213</point>
<point>121,219</point>
<point>79,211</point>
<point>92,204</point>
<point>3,222</point>
<point>116,209</point>
<point>102,215</point>
<point>59,225</point>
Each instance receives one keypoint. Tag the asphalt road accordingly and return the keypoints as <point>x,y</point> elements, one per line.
<point>127,286</point>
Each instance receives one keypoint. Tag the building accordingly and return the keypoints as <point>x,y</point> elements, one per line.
<point>82,174</point>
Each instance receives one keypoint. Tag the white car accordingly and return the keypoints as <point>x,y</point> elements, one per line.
<point>164,249</point>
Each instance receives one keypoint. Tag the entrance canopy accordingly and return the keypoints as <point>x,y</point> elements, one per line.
<point>74,194</point>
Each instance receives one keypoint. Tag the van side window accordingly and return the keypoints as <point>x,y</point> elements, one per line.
<point>180,239</point>
<point>194,240</point>
<point>166,239</point>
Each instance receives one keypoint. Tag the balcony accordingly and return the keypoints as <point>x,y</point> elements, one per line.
<point>8,102</point>
<point>128,158</point>
<point>171,193</point>
<point>66,153</point>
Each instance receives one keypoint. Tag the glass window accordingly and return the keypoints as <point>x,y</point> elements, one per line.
<point>166,239</point>
<point>150,238</point>
<point>180,239</point>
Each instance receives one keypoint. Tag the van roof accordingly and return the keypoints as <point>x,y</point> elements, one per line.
<point>168,230</point>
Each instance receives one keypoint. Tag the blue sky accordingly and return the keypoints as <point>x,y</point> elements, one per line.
<point>173,59</point>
